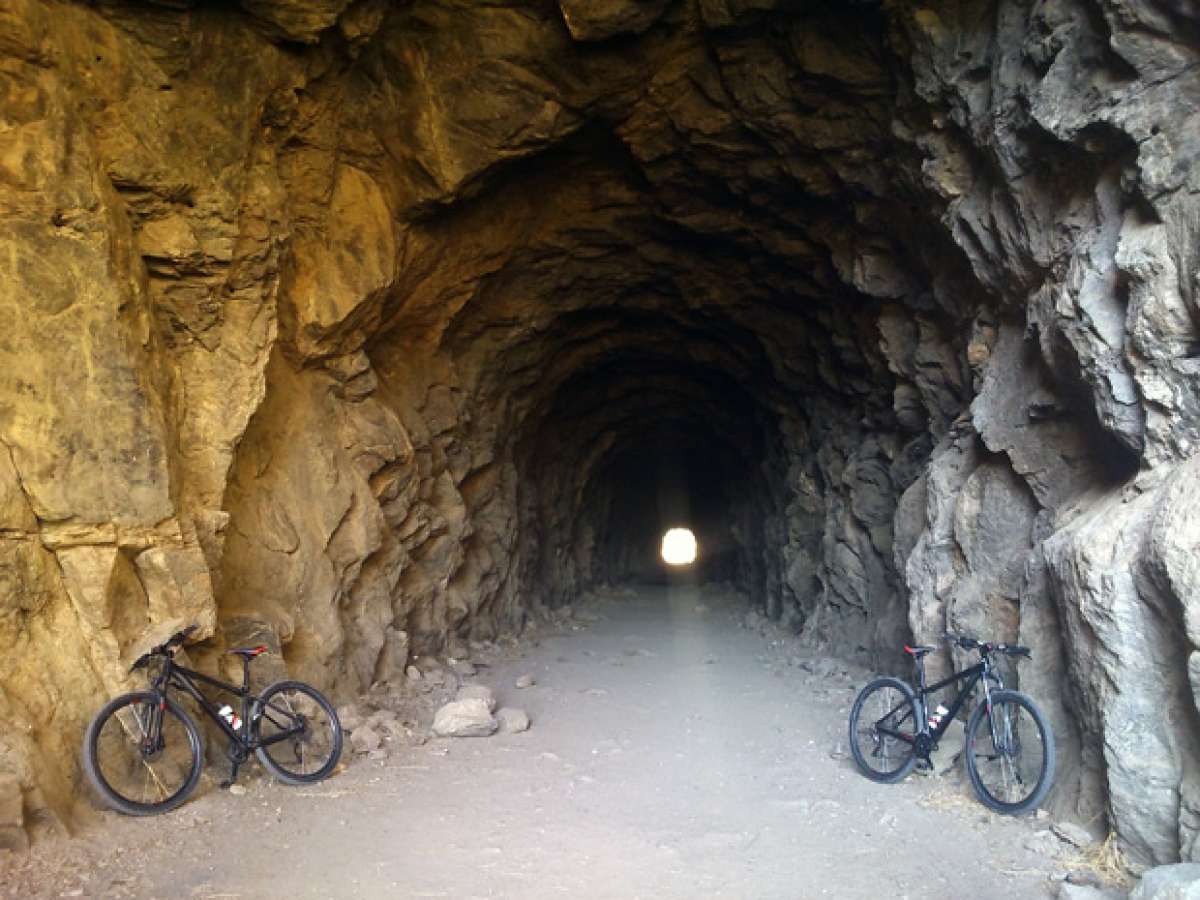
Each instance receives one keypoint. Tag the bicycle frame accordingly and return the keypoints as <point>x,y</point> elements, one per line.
<point>981,671</point>
<point>181,678</point>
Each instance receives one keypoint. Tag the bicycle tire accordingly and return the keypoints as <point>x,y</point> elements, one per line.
<point>1005,716</point>
<point>277,709</point>
<point>108,748</point>
<point>902,710</point>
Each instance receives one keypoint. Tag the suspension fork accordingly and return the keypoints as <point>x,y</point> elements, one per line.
<point>153,740</point>
<point>988,675</point>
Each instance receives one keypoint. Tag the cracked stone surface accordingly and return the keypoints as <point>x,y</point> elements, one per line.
<point>417,320</point>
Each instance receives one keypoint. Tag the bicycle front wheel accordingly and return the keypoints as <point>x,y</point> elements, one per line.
<point>298,733</point>
<point>1010,753</point>
<point>883,728</point>
<point>142,753</point>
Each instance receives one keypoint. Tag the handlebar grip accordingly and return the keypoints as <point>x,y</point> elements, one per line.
<point>175,640</point>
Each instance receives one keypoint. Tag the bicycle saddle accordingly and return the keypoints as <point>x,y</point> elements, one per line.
<point>918,652</point>
<point>248,652</point>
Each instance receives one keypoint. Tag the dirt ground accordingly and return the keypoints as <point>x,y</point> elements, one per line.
<point>674,752</point>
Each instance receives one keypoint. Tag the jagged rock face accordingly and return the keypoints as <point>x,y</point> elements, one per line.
<point>362,327</point>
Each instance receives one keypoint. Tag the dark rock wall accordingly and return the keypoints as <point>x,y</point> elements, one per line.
<point>376,327</point>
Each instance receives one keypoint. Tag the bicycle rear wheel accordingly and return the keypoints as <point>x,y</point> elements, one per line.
<point>883,728</point>
<point>298,731</point>
<point>143,754</point>
<point>1010,753</point>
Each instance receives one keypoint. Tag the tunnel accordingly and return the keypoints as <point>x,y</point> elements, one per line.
<point>426,319</point>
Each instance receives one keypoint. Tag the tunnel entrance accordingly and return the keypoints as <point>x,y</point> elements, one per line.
<point>427,318</point>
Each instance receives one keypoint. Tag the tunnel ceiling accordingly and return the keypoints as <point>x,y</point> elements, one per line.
<point>372,328</point>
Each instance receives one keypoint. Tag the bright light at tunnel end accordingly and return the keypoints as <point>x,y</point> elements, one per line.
<point>679,547</point>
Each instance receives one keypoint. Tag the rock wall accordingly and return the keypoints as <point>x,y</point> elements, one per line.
<point>349,326</point>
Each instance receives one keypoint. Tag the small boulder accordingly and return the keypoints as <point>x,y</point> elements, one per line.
<point>364,739</point>
<point>1180,881</point>
<point>461,667</point>
<point>351,716</point>
<point>477,692</point>
<point>513,720</point>
<point>386,723</point>
<point>1084,877</point>
<point>465,718</point>
<point>413,673</point>
<point>431,669</point>
<point>526,681</point>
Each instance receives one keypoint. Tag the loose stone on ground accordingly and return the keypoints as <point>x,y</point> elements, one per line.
<point>478,692</point>
<point>512,720</point>
<point>465,718</point>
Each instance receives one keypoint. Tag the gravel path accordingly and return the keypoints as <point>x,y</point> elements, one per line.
<point>673,753</point>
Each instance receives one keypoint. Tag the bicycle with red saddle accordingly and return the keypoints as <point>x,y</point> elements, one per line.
<point>144,754</point>
<point>1008,748</point>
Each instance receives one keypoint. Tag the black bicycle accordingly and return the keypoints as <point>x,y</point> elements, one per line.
<point>1008,748</point>
<point>144,754</point>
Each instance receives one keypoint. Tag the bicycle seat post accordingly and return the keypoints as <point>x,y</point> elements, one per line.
<point>919,668</point>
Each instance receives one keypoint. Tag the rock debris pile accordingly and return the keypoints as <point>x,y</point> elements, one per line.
<point>440,699</point>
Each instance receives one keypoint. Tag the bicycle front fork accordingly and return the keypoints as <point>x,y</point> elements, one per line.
<point>150,723</point>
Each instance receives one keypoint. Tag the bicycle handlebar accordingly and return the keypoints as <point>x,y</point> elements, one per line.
<point>984,648</point>
<point>166,648</point>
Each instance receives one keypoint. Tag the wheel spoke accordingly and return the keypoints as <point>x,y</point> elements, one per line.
<point>300,742</point>
<point>880,730</point>
<point>142,754</point>
<point>1010,763</point>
